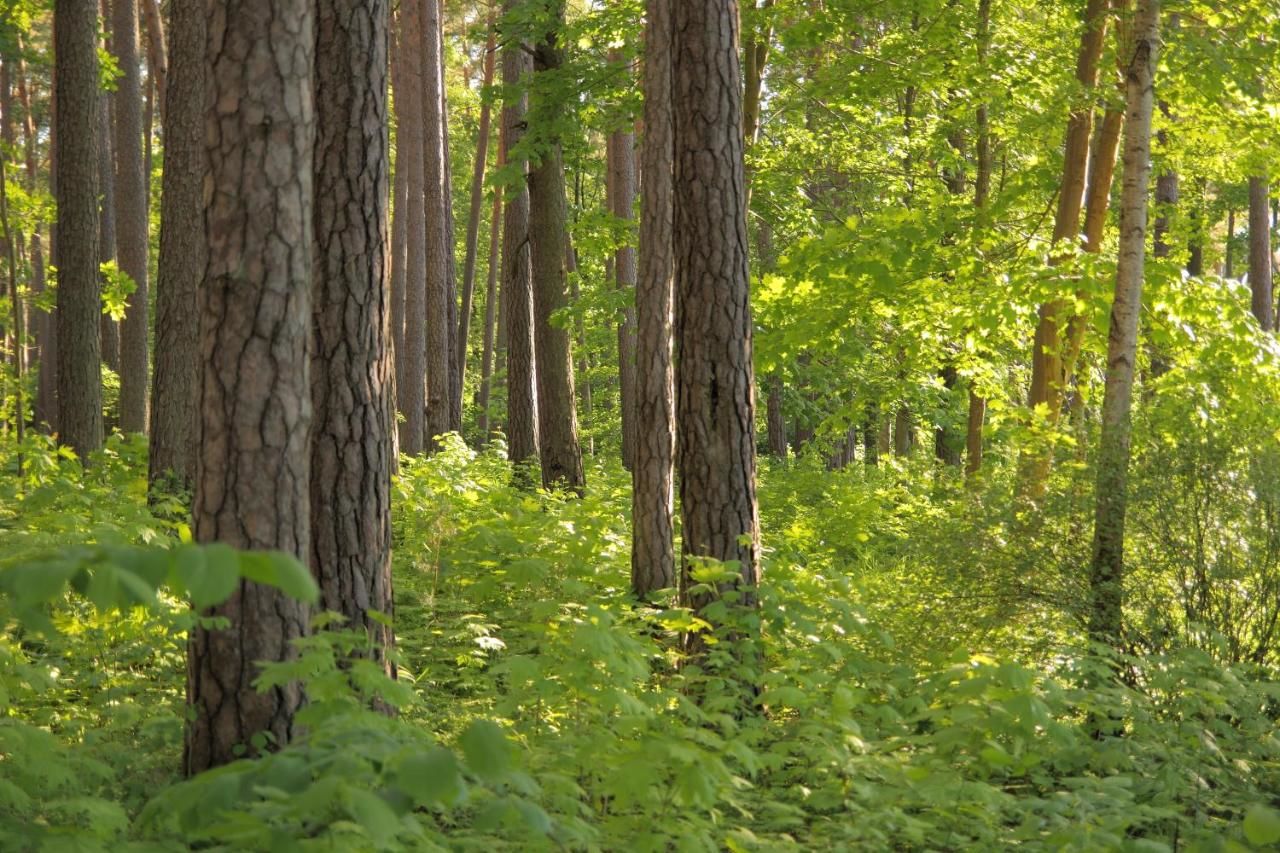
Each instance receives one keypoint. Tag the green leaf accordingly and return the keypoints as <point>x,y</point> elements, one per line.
<point>282,571</point>
<point>209,573</point>
<point>431,777</point>
<point>486,750</point>
<point>1262,825</point>
<point>374,815</point>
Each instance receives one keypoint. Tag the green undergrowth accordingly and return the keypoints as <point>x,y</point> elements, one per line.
<point>891,698</point>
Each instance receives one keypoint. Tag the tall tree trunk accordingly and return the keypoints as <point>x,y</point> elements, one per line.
<point>473,214</point>
<point>46,403</point>
<point>351,369</point>
<point>652,477</point>
<point>775,420</point>
<point>1227,271</point>
<point>490,307</point>
<point>559,452</point>
<point>451,242</point>
<point>411,382</point>
<point>1260,251</point>
<point>157,56</point>
<point>755,54</point>
<point>440,361</point>
<point>1107,574</point>
<point>946,444</point>
<point>400,213</point>
<point>109,328</point>
<point>622,197</point>
<point>75,174</point>
<point>131,216</point>
<point>1048,380</point>
<point>981,201</point>
<point>714,381</point>
<point>517,272</point>
<point>182,253</point>
<point>253,472</point>
<point>870,438</point>
<point>904,431</point>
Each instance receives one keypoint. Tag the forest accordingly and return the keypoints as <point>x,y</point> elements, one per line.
<point>639,425</point>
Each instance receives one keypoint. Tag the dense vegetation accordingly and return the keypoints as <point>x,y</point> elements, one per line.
<point>994,563</point>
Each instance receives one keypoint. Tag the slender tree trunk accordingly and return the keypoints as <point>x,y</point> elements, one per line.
<point>131,215</point>
<point>46,403</point>
<point>775,420</point>
<point>580,333</point>
<point>253,473</point>
<point>411,383</point>
<point>981,201</point>
<point>622,197</point>
<point>182,253</point>
<point>870,439</point>
<point>559,452</point>
<point>440,361</point>
<point>517,272</point>
<point>451,242</point>
<point>351,369</point>
<point>473,215</point>
<point>652,477</point>
<point>109,328</point>
<point>490,307</point>
<point>714,381</point>
<point>1260,251</point>
<point>75,46</point>
<point>755,54</point>
<point>904,429</point>
<point>157,56</point>
<point>1107,575</point>
<point>400,213</point>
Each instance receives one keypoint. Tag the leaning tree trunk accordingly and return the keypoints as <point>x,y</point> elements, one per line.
<point>131,215</point>
<point>559,452</point>
<point>253,470</point>
<point>517,273</point>
<point>439,359</point>
<point>714,381</point>
<point>1260,251</point>
<point>182,253</point>
<point>411,381</point>
<point>652,477</point>
<point>75,176</point>
<point>1107,574</point>
<point>351,370</point>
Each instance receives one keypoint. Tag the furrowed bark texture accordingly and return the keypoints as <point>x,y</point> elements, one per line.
<point>714,381</point>
<point>439,359</point>
<point>253,470</point>
<point>411,381</point>
<point>351,370</point>
<point>75,175</point>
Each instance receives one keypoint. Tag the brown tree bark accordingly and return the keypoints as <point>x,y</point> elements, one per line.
<point>75,174</point>
<point>131,215</point>
<point>1107,573</point>
<point>42,331</point>
<point>351,369</point>
<point>714,377</point>
<point>157,55</point>
<point>490,307</point>
<point>981,199</point>
<point>399,210</point>
<point>621,191</point>
<point>108,327</point>
<point>652,546</point>
<point>1260,252</point>
<point>411,382</point>
<point>517,273</point>
<point>253,472</point>
<point>904,430</point>
<point>473,214</point>
<point>775,420</point>
<point>439,360</point>
<point>175,384</point>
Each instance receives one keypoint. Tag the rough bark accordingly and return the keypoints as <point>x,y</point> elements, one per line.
<point>131,215</point>
<point>351,368</point>
<point>490,309</point>
<point>622,197</point>
<point>1107,573</point>
<point>42,331</point>
<point>439,358</point>
<point>253,469</point>
<point>175,385</point>
<point>399,212</point>
<point>158,56</point>
<point>108,327</point>
<point>517,273</point>
<point>411,381</point>
<point>558,449</point>
<point>714,377</point>
<point>75,175</point>
<point>775,420</point>
<point>652,477</point>
<point>1260,251</point>
<point>473,214</point>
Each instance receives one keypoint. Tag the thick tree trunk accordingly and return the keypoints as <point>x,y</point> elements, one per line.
<point>108,327</point>
<point>517,272</point>
<point>490,308</point>
<point>75,174</point>
<point>411,382</point>
<point>440,361</point>
<point>559,452</point>
<point>1107,574</point>
<point>622,197</point>
<point>473,214</point>
<point>652,477</point>
<point>253,472</point>
<point>714,381</point>
<point>131,216</point>
<point>1260,251</point>
<point>182,253</point>
<point>351,369</point>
